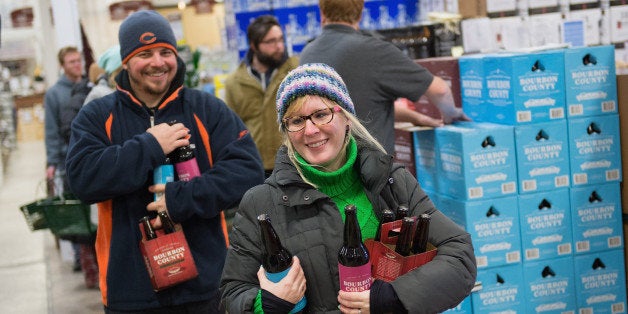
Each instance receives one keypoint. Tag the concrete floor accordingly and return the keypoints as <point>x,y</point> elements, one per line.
<point>35,276</point>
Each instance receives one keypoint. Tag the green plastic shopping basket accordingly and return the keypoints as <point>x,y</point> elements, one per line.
<point>34,213</point>
<point>69,218</point>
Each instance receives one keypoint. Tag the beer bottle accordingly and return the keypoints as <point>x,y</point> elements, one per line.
<point>354,265</point>
<point>276,259</point>
<point>166,223</point>
<point>421,234</point>
<point>404,241</point>
<point>185,163</point>
<point>162,175</point>
<point>149,232</point>
<point>402,211</point>
<point>387,216</point>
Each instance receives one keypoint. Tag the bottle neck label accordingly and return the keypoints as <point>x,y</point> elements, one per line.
<point>276,277</point>
<point>355,279</point>
<point>162,175</point>
<point>186,170</point>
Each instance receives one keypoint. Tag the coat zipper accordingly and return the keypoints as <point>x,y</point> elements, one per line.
<point>152,117</point>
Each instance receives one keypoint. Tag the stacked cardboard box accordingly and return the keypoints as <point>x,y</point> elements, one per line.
<point>563,217</point>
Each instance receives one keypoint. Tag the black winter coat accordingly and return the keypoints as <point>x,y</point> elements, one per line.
<point>310,226</point>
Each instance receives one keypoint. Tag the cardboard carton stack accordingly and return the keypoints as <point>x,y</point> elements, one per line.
<point>557,216</point>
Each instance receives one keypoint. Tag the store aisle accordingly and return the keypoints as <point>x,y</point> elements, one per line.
<point>34,278</point>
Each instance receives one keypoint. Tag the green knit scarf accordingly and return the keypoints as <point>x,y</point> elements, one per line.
<point>345,187</point>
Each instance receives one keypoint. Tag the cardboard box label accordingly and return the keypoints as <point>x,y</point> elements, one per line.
<point>597,218</point>
<point>542,156</point>
<point>502,290</point>
<point>493,225</point>
<point>550,286</point>
<point>594,149</point>
<point>591,85</point>
<point>545,219</point>
<point>168,259</point>
<point>601,282</point>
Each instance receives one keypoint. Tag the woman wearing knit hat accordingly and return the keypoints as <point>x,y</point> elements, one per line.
<point>329,160</point>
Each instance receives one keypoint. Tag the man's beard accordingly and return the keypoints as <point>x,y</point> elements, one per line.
<point>269,60</point>
<point>146,88</point>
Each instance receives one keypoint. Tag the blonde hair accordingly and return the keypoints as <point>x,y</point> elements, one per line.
<point>95,72</point>
<point>361,135</point>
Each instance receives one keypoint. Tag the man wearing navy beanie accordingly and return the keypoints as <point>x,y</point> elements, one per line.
<point>119,140</point>
<point>143,31</point>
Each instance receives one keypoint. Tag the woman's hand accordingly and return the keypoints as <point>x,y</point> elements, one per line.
<point>355,302</point>
<point>291,288</point>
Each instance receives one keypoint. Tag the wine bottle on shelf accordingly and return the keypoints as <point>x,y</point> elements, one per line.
<point>166,223</point>
<point>149,232</point>
<point>421,234</point>
<point>387,216</point>
<point>276,259</point>
<point>354,265</point>
<point>404,241</point>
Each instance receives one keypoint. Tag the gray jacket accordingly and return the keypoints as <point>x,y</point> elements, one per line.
<point>56,97</point>
<point>310,226</point>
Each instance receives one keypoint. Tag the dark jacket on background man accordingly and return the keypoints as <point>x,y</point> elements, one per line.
<point>310,226</point>
<point>111,161</point>
<point>69,112</point>
<point>56,100</point>
<point>376,73</point>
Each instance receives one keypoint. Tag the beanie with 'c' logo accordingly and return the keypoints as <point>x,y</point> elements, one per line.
<point>144,30</point>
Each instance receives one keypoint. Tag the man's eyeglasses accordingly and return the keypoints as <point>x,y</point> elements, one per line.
<point>318,117</point>
<point>273,41</point>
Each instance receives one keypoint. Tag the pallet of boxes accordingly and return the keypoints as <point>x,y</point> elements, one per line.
<point>535,178</point>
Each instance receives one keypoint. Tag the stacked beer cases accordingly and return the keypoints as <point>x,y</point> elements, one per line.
<point>476,187</point>
<point>595,152</point>
<point>559,230</point>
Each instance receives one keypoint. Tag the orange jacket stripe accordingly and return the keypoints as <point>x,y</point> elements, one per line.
<point>172,97</point>
<point>108,125</point>
<point>137,102</point>
<point>103,241</point>
<point>205,139</point>
<point>103,232</point>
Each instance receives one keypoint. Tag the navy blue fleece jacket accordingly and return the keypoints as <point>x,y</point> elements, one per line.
<point>111,159</point>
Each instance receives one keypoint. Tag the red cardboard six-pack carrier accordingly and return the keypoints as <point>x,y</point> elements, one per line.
<point>168,258</point>
<point>388,264</point>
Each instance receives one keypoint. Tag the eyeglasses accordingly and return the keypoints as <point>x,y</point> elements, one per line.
<point>273,41</point>
<point>318,117</point>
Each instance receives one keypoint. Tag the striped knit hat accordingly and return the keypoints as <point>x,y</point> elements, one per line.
<point>312,79</point>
